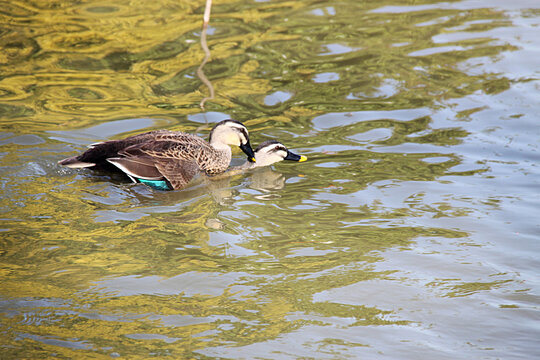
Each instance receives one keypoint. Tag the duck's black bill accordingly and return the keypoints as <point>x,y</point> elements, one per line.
<point>293,157</point>
<point>246,148</point>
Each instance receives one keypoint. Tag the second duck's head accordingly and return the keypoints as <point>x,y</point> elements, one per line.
<point>272,151</point>
<point>232,132</point>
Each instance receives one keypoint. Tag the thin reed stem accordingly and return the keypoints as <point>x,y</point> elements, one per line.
<point>204,45</point>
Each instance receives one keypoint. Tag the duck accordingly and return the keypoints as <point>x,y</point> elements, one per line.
<point>167,160</point>
<point>262,178</point>
<point>268,153</point>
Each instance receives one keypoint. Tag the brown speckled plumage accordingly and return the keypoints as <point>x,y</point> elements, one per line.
<point>169,145</point>
<point>173,156</point>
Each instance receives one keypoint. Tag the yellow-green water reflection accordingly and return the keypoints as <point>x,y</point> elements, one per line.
<point>411,232</point>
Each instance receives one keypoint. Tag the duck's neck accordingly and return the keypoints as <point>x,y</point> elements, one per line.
<point>222,159</point>
<point>223,149</point>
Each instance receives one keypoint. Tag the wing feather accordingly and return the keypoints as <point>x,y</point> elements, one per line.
<point>137,167</point>
<point>178,172</point>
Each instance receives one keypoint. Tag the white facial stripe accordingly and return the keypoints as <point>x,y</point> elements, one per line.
<point>240,130</point>
<point>282,153</point>
<point>230,133</point>
<point>243,139</point>
<point>237,126</point>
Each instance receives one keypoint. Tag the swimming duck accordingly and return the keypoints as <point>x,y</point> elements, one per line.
<point>270,152</point>
<point>264,179</point>
<point>267,153</point>
<point>168,159</point>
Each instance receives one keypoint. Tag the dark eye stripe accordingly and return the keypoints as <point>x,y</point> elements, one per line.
<point>278,148</point>
<point>245,133</point>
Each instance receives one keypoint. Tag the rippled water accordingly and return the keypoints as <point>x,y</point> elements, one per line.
<point>411,232</point>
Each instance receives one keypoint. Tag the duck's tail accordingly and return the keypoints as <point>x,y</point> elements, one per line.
<point>74,163</point>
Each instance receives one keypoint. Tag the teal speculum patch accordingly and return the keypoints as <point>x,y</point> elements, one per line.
<point>156,184</point>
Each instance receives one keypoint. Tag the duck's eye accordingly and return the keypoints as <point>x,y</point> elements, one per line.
<point>278,149</point>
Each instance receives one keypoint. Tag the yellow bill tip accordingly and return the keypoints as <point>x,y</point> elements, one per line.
<point>302,158</point>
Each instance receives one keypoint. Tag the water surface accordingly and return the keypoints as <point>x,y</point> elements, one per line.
<point>411,232</point>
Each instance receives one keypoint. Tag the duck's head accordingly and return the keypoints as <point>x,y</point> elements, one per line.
<point>272,151</point>
<point>232,132</point>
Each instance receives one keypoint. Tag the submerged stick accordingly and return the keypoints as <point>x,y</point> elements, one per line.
<point>204,45</point>
<point>206,16</point>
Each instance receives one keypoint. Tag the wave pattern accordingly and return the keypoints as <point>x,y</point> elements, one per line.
<point>419,199</point>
